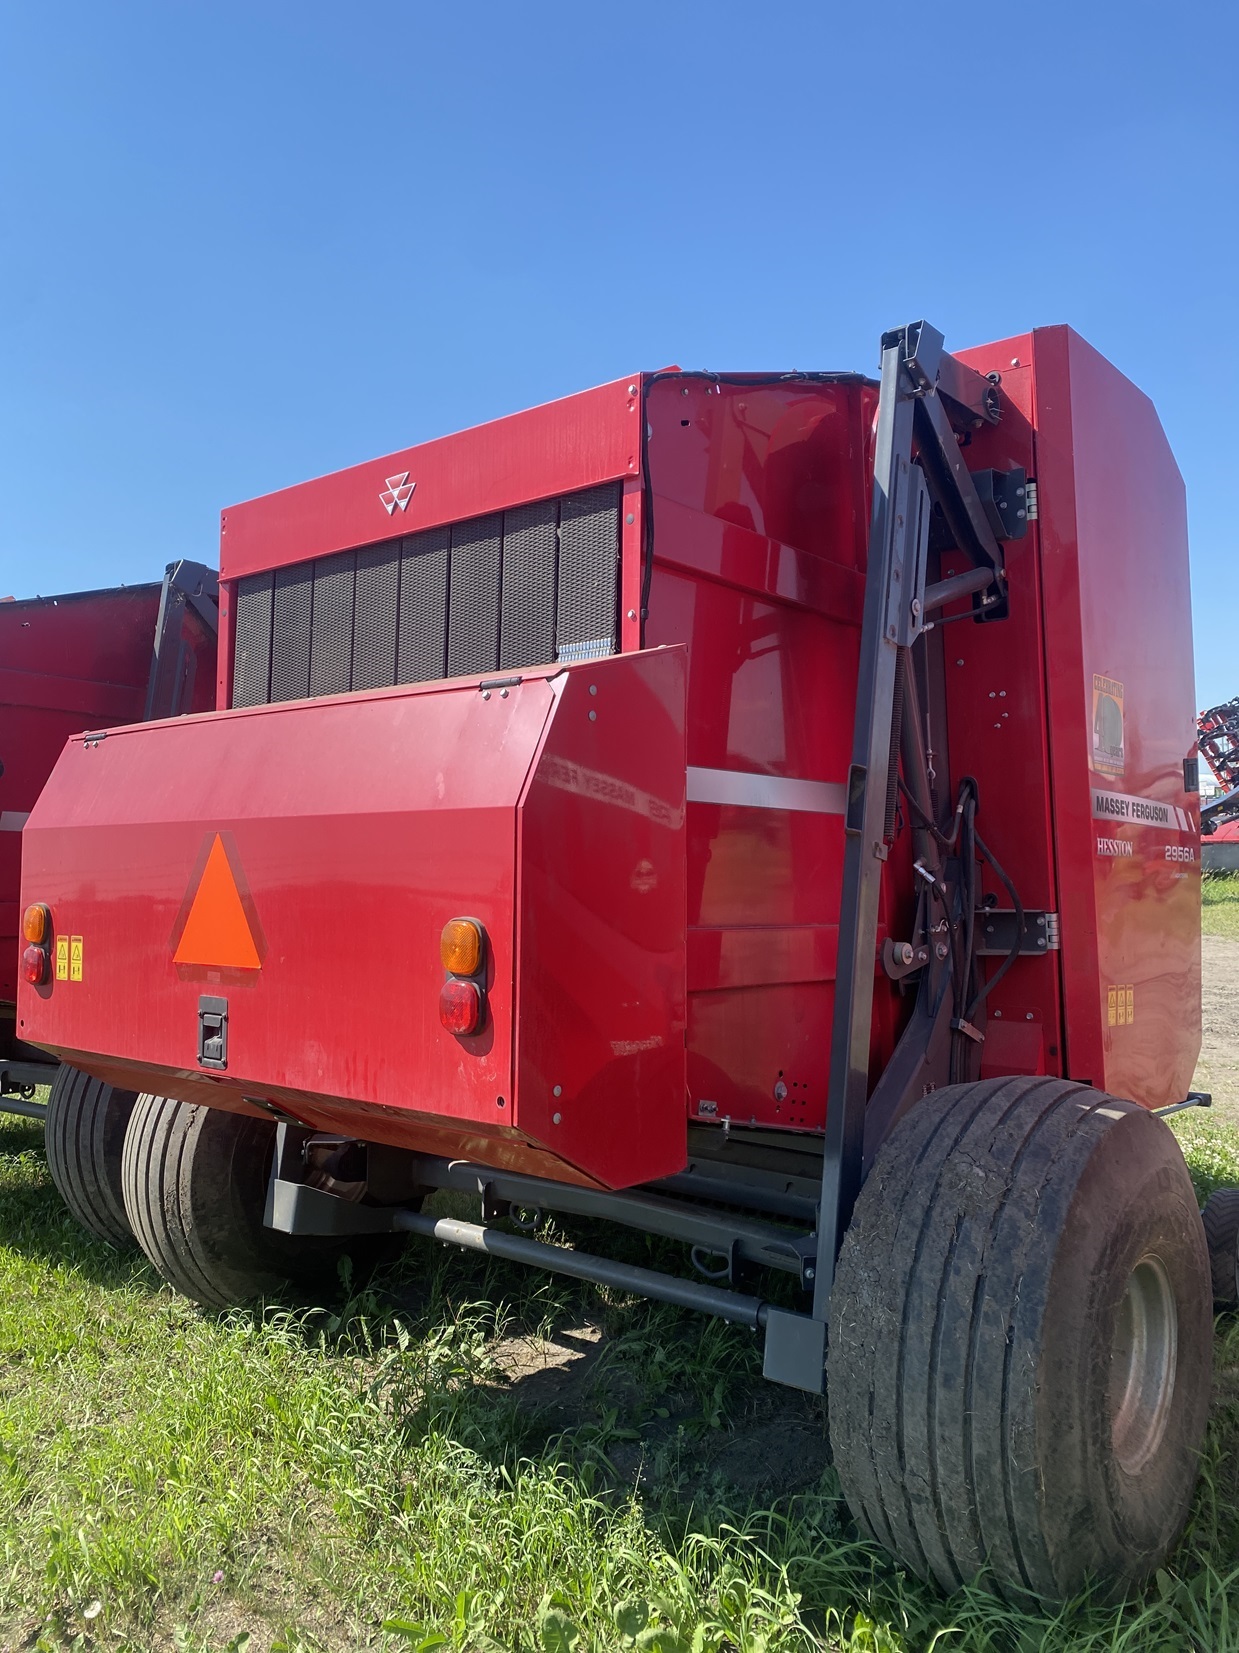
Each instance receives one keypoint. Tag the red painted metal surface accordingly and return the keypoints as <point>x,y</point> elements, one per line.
<point>760,498</point>
<point>1117,614</point>
<point>1100,598</point>
<point>592,437</point>
<point>995,681</point>
<point>67,663</point>
<point>560,833</point>
<point>661,880</point>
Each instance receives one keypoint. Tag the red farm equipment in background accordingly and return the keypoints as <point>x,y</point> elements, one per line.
<point>756,809</point>
<point>1218,731</point>
<point>85,660</point>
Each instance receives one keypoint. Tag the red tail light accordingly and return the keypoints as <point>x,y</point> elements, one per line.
<point>36,965</point>
<point>460,1006</point>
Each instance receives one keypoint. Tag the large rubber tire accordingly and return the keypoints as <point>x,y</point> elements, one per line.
<point>195,1188</point>
<point>1221,1220</point>
<point>993,1410</point>
<point>84,1134</point>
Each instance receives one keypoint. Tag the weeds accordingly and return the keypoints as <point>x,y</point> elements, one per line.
<point>1219,904</point>
<point>469,1457</point>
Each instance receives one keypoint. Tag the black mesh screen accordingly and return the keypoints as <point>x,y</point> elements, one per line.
<point>537,584</point>
<point>251,666</point>
<point>376,616</point>
<point>422,654</point>
<point>331,636</point>
<point>473,602</point>
<point>290,633</point>
<point>529,558</point>
<point>586,619</point>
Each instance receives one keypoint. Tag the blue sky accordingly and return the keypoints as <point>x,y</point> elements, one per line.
<point>242,244</point>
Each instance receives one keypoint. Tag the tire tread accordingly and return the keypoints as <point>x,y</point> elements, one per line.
<point>941,1286</point>
<point>1221,1219</point>
<point>83,1136</point>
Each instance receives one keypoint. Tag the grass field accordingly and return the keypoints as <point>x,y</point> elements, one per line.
<point>469,1456</point>
<point>1219,894</point>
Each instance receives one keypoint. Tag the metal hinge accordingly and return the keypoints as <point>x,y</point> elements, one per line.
<point>1030,500</point>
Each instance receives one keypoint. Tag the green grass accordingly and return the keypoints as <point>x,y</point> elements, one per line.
<point>1219,904</point>
<point>173,1480</point>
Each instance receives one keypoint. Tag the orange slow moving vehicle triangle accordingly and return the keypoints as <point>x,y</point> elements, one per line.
<point>217,933</point>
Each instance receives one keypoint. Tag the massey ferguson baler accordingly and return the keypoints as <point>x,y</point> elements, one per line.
<point>757,809</point>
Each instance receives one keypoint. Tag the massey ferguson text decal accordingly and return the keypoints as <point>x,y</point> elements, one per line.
<point>1122,806</point>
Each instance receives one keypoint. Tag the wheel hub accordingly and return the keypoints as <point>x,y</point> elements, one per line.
<point>1142,1364</point>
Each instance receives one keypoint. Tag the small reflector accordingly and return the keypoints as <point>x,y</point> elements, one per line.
<point>36,923</point>
<point>460,946</point>
<point>35,963</point>
<point>217,933</point>
<point>460,1007</point>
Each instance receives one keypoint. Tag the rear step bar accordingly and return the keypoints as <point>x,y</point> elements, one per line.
<point>603,1271</point>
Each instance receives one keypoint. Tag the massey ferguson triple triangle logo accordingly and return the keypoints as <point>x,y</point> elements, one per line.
<point>399,491</point>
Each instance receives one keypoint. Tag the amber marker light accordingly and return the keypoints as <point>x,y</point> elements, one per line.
<point>460,947</point>
<point>460,1007</point>
<point>37,924</point>
<point>36,966</point>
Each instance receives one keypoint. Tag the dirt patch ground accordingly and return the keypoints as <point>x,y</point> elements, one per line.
<point>1218,1069</point>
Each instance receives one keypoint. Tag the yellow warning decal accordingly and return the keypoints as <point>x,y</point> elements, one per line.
<point>62,958</point>
<point>1120,1006</point>
<point>75,958</point>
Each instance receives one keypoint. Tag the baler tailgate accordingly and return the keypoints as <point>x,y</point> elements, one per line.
<point>271,885</point>
<point>300,862</point>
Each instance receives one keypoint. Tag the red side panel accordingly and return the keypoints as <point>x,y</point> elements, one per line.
<point>760,505</point>
<point>1122,720</point>
<point>554,449</point>
<point>1075,715</point>
<point>66,664</point>
<point>601,991</point>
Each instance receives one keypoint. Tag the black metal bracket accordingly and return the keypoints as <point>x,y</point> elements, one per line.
<point>971,398</point>
<point>187,586</point>
<point>995,932</point>
<point>1004,499</point>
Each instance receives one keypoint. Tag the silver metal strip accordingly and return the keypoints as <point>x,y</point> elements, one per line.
<point>754,791</point>
<point>13,820</point>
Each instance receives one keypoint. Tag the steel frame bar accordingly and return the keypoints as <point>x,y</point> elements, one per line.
<point>185,585</point>
<point>293,1206</point>
<point>953,487</point>
<point>720,1232</point>
<point>602,1271</point>
<point>19,1105</point>
<point>865,848</point>
<point>23,1072</point>
<point>909,410</point>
